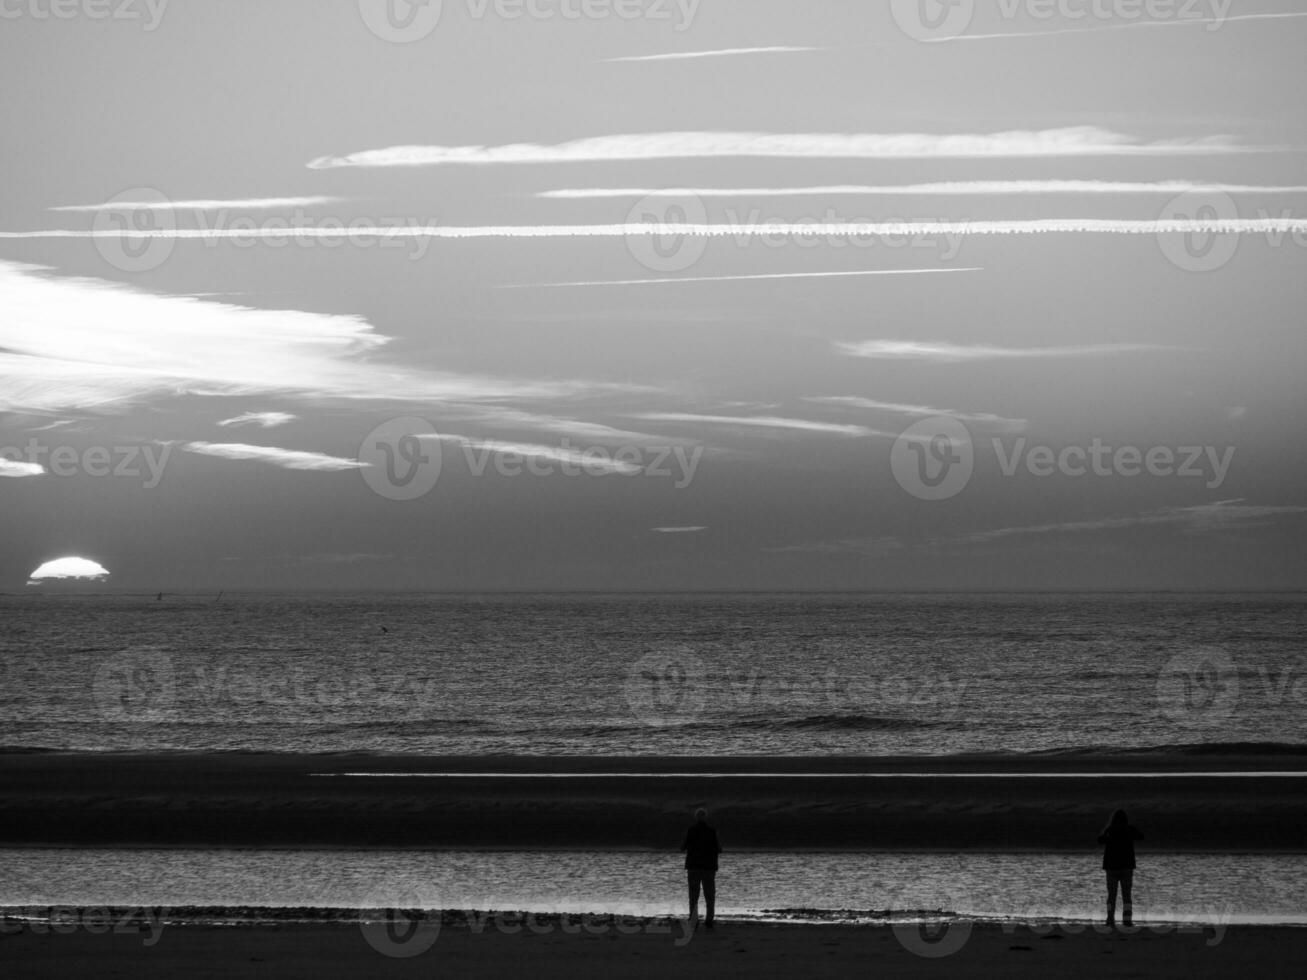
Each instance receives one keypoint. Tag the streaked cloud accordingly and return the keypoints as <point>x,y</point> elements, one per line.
<point>1223,515</point>
<point>1075,141</point>
<point>942,188</point>
<point>265,420</point>
<point>1099,28</point>
<point>764,422</point>
<point>923,411</point>
<point>206,204</point>
<point>908,350</point>
<point>679,530</point>
<point>91,345</point>
<point>16,469</point>
<point>778,275</point>
<point>719,53</point>
<point>289,459</point>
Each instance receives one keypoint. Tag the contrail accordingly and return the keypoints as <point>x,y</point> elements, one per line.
<point>721,53</point>
<point>779,275</point>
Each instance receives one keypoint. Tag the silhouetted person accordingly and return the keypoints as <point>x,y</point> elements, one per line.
<point>1118,838</point>
<point>701,848</point>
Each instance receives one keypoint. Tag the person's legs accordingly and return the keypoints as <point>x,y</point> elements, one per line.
<point>1112,879</point>
<point>1127,906</point>
<point>710,895</point>
<point>694,877</point>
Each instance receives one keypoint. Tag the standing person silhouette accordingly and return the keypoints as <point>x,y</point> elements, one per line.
<point>1118,838</point>
<point>701,848</point>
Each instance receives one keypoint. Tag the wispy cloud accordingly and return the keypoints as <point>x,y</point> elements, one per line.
<point>595,433</point>
<point>1076,141</point>
<point>1223,515</point>
<point>265,420</point>
<point>207,204</point>
<point>15,469</point>
<point>922,411</point>
<point>778,275</point>
<point>1210,22</point>
<point>89,345</point>
<point>736,229</point>
<point>907,350</point>
<point>764,422</point>
<point>679,530</point>
<point>718,53</point>
<point>290,459</point>
<point>943,188</point>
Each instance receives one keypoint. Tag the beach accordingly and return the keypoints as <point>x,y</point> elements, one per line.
<point>1206,801</point>
<point>542,949</point>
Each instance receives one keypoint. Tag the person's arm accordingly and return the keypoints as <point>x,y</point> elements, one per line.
<point>1136,833</point>
<point>717,842</point>
<point>685,844</point>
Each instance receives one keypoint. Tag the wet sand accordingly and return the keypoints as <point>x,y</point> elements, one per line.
<point>326,951</point>
<point>970,802</point>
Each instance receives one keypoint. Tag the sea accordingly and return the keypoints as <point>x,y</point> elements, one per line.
<point>707,675</point>
<point>698,675</point>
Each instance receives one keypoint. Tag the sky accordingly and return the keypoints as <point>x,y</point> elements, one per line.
<point>654,294</point>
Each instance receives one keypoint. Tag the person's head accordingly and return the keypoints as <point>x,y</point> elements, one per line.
<point>1119,819</point>
<point>701,815</point>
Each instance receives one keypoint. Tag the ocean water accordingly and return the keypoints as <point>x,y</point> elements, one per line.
<point>825,886</point>
<point>659,674</point>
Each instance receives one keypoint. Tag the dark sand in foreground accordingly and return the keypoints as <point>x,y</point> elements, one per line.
<point>322,952</point>
<point>246,800</point>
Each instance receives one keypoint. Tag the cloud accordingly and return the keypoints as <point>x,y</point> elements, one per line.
<point>907,350</point>
<point>594,432</point>
<point>779,275</point>
<point>265,420</point>
<point>90,345</point>
<point>1075,141</point>
<point>719,53</point>
<point>212,204</point>
<point>764,422</point>
<point>62,569</point>
<point>289,459</point>
<point>1178,22</point>
<point>737,230</point>
<point>16,469</point>
<point>1222,515</point>
<point>869,547</point>
<point>945,188</point>
<point>679,530</point>
<point>924,411</point>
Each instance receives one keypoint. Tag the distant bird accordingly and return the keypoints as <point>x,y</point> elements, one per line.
<point>384,630</point>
